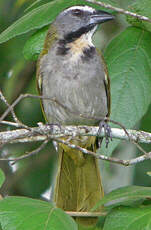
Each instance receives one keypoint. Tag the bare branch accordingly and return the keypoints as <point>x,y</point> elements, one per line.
<point>119,10</point>
<point>40,134</point>
<point>45,132</point>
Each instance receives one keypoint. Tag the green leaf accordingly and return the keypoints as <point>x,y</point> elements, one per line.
<point>128,57</point>
<point>34,44</point>
<point>37,3</point>
<point>39,17</point>
<point>21,213</point>
<point>2,177</point>
<point>123,195</point>
<point>127,218</point>
<point>86,227</point>
<point>142,8</point>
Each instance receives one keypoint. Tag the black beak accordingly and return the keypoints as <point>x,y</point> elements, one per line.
<point>100,16</point>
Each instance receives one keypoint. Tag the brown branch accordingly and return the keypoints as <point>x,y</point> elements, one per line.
<point>119,10</point>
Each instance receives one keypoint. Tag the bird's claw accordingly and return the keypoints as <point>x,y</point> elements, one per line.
<point>107,131</point>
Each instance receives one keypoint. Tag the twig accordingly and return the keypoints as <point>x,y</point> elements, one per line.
<point>26,155</point>
<point>14,124</point>
<point>105,158</point>
<point>8,105</point>
<point>119,10</point>
<point>11,109</point>
<point>86,214</point>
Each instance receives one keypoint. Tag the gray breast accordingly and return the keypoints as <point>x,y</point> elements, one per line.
<point>79,86</point>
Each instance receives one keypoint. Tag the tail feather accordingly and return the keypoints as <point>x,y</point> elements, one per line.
<point>78,184</point>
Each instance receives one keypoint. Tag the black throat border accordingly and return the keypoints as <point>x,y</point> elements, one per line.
<point>71,37</point>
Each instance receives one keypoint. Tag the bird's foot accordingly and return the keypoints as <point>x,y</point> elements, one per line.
<point>107,131</point>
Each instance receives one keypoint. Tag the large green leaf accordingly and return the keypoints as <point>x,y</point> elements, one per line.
<point>39,17</point>
<point>142,8</point>
<point>123,195</point>
<point>40,2</point>
<point>37,3</point>
<point>2,177</point>
<point>20,213</point>
<point>127,218</point>
<point>128,57</point>
<point>34,44</point>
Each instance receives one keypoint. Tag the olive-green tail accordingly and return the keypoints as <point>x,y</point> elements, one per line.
<point>78,183</point>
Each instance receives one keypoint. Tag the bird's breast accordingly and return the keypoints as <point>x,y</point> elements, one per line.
<point>77,85</point>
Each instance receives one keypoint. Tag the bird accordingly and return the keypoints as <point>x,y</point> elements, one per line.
<point>73,74</point>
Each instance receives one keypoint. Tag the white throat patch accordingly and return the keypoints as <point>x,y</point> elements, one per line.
<point>88,36</point>
<point>77,47</point>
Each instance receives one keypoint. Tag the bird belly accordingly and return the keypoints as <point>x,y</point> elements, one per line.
<point>76,100</point>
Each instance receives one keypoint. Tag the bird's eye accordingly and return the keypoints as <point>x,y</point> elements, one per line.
<point>77,12</point>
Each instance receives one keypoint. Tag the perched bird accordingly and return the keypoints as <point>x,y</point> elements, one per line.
<point>71,71</point>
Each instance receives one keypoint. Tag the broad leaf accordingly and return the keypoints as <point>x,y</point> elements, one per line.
<point>20,213</point>
<point>128,57</point>
<point>142,8</point>
<point>123,195</point>
<point>39,17</point>
<point>36,3</point>
<point>127,218</point>
<point>40,2</point>
<point>2,177</point>
<point>34,44</point>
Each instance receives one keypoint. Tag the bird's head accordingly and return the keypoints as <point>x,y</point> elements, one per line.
<point>78,20</point>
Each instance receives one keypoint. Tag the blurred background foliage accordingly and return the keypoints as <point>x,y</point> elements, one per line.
<point>34,176</point>
<point>30,177</point>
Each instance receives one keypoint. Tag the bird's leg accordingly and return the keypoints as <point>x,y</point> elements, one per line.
<point>107,131</point>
